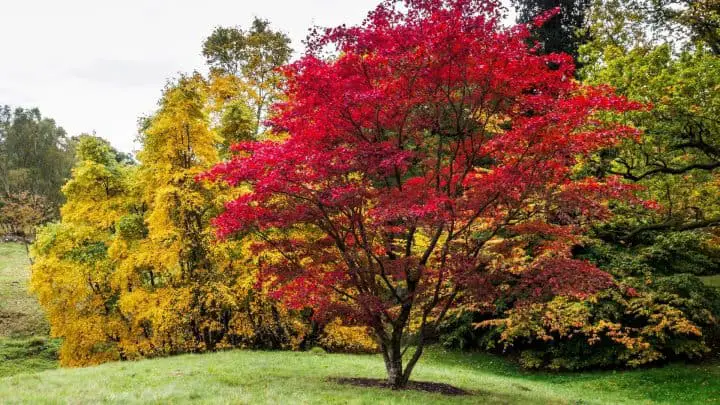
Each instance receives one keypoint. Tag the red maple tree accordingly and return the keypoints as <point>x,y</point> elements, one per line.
<point>418,158</point>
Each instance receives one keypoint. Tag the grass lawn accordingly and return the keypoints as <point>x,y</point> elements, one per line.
<point>291,377</point>
<point>23,355</point>
<point>287,377</point>
<point>712,281</point>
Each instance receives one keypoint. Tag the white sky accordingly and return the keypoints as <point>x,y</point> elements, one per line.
<point>98,65</point>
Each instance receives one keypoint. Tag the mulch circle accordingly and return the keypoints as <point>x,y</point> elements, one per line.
<point>437,388</point>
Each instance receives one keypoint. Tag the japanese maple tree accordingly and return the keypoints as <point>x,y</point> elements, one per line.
<point>418,159</point>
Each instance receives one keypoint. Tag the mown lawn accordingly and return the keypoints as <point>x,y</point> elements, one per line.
<point>290,377</point>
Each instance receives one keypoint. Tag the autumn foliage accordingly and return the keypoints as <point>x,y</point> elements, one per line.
<point>427,176</point>
<point>428,157</point>
<point>132,270</point>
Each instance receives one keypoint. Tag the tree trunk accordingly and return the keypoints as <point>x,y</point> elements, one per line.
<point>26,243</point>
<point>392,354</point>
<point>398,374</point>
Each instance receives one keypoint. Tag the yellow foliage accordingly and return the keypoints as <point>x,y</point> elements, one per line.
<point>337,337</point>
<point>133,270</point>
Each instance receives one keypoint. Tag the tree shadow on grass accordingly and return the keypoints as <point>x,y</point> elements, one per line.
<point>431,387</point>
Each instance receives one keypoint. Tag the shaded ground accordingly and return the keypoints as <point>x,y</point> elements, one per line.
<point>438,388</point>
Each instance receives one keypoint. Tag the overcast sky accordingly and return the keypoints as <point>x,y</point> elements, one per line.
<point>97,65</point>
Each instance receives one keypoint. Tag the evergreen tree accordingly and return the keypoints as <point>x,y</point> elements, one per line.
<point>565,31</point>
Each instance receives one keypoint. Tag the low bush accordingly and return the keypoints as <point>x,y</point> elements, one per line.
<point>338,338</point>
<point>643,321</point>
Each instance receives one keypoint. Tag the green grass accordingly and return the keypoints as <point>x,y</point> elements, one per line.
<point>20,313</point>
<point>282,377</point>
<point>18,355</point>
<point>24,344</point>
<point>291,377</point>
<point>712,281</point>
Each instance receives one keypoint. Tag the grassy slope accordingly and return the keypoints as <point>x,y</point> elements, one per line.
<point>26,355</point>
<point>279,377</point>
<point>20,314</point>
<point>24,345</point>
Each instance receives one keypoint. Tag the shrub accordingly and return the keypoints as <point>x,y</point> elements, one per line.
<point>690,252</point>
<point>337,337</point>
<point>683,252</point>
<point>659,320</point>
<point>318,351</point>
<point>460,331</point>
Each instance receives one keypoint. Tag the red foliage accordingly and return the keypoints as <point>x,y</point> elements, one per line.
<point>432,120</point>
<point>562,276</point>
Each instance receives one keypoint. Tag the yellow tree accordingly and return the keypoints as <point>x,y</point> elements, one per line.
<point>182,292</point>
<point>133,268</point>
<point>253,57</point>
<point>72,268</point>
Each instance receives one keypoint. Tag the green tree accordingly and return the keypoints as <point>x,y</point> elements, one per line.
<point>677,159</point>
<point>564,32</point>
<point>699,20</point>
<point>685,24</point>
<point>254,57</point>
<point>35,154</point>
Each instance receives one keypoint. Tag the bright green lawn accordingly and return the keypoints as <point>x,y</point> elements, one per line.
<point>291,377</point>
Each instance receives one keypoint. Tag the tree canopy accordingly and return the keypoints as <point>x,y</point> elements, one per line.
<point>253,57</point>
<point>431,133</point>
<point>563,32</point>
<point>548,189</point>
<point>35,154</point>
